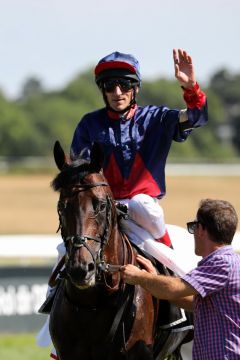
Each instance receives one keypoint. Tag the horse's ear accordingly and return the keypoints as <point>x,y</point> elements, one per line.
<point>59,155</point>
<point>96,158</point>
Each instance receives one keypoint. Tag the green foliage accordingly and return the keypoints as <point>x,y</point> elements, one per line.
<point>226,86</point>
<point>30,125</point>
<point>216,110</point>
<point>53,117</point>
<point>84,91</point>
<point>32,88</point>
<point>161,92</point>
<point>17,132</point>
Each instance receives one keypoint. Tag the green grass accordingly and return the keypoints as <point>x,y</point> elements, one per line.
<point>22,347</point>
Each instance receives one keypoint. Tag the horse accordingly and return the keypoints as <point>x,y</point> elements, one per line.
<point>94,314</point>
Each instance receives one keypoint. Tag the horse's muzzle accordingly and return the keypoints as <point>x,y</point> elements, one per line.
<point>82,275</point>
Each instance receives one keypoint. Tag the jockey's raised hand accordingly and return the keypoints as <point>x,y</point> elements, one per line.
<point>184,69</point>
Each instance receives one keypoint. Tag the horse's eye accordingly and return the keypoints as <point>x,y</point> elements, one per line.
<point>94,204</point>
<point>98,205</point>
<point>102,206</point>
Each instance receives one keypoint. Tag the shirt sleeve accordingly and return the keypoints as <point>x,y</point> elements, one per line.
<point>195,97</point>
<point>209,277</point>
<point>196,112</point>
<point>81,142</point>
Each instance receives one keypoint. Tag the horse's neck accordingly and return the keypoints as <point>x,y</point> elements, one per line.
<point>91,298</point>
<point>121,248</point>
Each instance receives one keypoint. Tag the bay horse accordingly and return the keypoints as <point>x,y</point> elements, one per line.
<point>95,315</point>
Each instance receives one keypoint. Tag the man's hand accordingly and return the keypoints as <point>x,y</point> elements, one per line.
<point>184,70</point>
<point>133,275</point>
<point>148,266</point>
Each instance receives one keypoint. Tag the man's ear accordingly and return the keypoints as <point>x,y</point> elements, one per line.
<point>59,155</point>
<point>96,158</point>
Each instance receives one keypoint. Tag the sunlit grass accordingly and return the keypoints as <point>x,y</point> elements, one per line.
<point>22,347</point>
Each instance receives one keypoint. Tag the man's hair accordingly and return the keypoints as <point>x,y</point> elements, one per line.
<point>219,218</point>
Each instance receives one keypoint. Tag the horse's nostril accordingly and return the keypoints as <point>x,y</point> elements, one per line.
<point>91,267</point>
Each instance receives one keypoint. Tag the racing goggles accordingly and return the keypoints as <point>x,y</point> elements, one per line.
<point>124,84</point>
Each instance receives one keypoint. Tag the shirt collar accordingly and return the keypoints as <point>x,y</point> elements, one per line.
<point>116,116</point>
<point>222,250</point>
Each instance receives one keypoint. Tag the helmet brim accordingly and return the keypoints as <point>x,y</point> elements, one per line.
<point>116,73</point>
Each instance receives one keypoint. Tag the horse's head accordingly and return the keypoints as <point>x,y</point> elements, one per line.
<point>86,214</point>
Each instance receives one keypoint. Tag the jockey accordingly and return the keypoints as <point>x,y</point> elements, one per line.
<point>136,139</point>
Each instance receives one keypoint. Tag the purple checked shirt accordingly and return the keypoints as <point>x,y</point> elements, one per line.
<point>217,306</point>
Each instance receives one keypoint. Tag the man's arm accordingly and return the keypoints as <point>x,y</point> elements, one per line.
<point>169,288</point>
<point>161,286</point>
<point>184,303</point>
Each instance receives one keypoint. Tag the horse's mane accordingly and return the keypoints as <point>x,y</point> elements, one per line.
<point>71,174</point>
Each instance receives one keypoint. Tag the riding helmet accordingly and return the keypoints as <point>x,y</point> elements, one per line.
<point>118,64</point>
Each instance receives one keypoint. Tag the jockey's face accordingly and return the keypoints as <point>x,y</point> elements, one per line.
<point>118,94</point>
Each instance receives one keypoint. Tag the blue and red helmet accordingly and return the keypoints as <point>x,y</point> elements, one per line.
<point>118,65</point>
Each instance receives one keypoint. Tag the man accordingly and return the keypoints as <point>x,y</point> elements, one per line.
<point>136,140</point>
<point>211,290</point>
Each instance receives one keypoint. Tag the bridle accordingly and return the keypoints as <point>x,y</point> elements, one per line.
<point>79,241</point>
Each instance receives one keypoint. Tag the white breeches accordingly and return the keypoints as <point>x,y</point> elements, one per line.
<point>145,211</point>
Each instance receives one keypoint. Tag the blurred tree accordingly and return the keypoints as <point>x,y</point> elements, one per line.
<point>161,92</point>
<point>84,90</point>
<point>54,118</point>
<point>31,88</point>
<point>31,125</point>
<point>17,133</point>
<point>227,87</point>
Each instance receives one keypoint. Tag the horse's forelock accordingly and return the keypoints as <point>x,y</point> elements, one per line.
<point>71,174</point>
